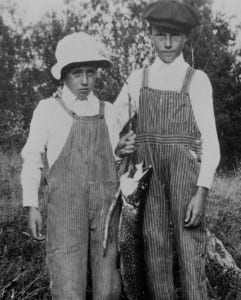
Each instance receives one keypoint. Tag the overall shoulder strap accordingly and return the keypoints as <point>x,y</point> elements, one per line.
<point>101,108</point>
<point>58,98</point>
<point>187,80</point>
<point>64,106</point>
<point>145,77</point>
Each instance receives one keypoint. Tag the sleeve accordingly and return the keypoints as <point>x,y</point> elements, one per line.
<point>32,156</point>
<point>121,105</point>
<point>201,95</point>
<point>111,117</point>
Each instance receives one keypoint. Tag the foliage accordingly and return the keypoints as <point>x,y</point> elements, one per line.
<point>23,268</point>
<point>10,189</point>
<point>13,126</point>
<point>223,218</point>
<point>224,285</point>
<point>27,54</point>
<point>212,47</point>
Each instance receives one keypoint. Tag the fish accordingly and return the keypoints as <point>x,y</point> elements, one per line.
<point>131,195</point>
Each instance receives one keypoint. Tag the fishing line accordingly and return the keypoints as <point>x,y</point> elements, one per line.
<point>193,48</point>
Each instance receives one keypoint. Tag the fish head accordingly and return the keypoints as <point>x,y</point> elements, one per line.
<point>134,183</point>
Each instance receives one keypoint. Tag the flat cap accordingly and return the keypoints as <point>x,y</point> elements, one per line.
<point>172,15</point>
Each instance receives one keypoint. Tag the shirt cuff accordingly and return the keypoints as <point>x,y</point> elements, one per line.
<point>30,198</point>
<point>206,179</point>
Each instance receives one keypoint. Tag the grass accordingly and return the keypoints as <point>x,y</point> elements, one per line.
<point>224,219</point>
<point>224,209</point>
<point>22,261</point>
<point>23,270</point>
<point>10,188</point>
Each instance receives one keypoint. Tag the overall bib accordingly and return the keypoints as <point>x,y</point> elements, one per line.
<point>168,138</point>
<point>82,183</point>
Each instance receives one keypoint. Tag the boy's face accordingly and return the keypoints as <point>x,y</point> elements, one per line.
<point>168,45</point>
<point>81,80</point>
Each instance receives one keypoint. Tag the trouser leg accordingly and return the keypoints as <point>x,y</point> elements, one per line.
<point>191,243</point>
<point>191,253</point>
<point>67,250</point>
<point>158,246</point>
<point>158,250</point>
<point>105,276</point>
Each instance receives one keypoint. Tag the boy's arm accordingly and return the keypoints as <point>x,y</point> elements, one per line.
<point>126,106</point>
<point>127,102</point>
<point>35,223</point>
<point>32,166</point>
<point>201,95</point>
<point>202,104</point>
<point>196,206</point>
<point>120,146</point>
<point>32,156</point>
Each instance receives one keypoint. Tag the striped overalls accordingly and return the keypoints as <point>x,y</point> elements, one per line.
<point>82,183</point>
<point>169,140</point>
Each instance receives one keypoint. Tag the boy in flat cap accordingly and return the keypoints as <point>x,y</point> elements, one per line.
<point>79,134</point>
<point>176,134</point>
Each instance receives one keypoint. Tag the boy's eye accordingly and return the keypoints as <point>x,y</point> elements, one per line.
<point>160,35</point>
<point>164,35</point>
<point>91,73</point>
<point>77,72</point>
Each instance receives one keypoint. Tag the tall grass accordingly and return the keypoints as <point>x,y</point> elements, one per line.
<point>224,219</point>
<point>22,261</point>
<point>10,188</point>
<point>224,210</point>
<point>23,270</point>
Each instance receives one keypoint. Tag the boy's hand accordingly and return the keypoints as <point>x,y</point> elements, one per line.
<point>126,144</point>
<point>195,209</point>
<point>35,223</point>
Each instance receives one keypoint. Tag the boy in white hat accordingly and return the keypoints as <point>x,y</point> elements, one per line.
<point>176,134</point>
<point>79,134</point>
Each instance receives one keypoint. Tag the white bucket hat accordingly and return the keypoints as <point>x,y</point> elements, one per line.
<point>79,47</point>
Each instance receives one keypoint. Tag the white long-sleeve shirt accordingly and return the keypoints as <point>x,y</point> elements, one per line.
<point>163,76</point>
<point>49,128</point>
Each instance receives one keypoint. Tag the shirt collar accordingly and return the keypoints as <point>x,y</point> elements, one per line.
<point>159,65</point>
<point>69,98</point>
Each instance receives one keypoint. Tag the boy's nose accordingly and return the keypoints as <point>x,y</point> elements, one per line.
<point>84,79</point>
<point>168,41</point>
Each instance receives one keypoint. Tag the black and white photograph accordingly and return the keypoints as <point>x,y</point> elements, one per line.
<point>120,149</point>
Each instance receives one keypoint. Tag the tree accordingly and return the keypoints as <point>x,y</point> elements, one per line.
<point>212,47</point>
<point>120,26</point>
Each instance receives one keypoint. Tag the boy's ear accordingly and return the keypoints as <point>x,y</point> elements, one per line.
<point>185,40</point>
